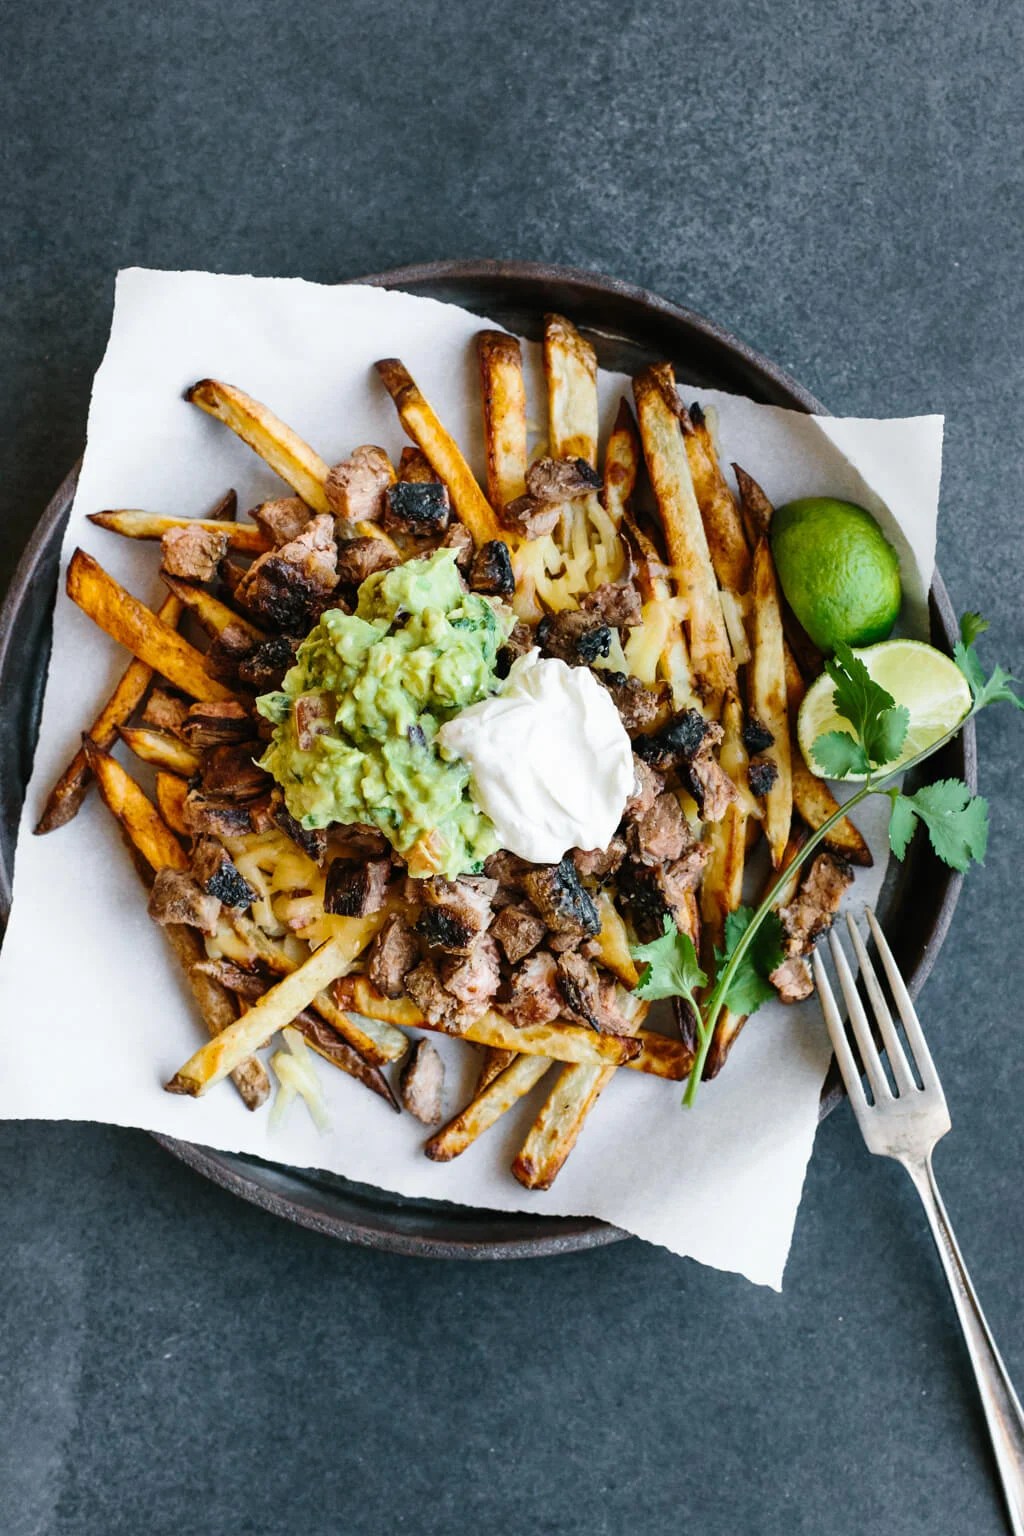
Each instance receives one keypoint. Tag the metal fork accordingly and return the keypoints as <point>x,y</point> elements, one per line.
<point>906,1125</point>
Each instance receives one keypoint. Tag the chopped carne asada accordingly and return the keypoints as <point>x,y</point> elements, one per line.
<point>678,742</point>
<point>518,931</point>
<point>638,705</point>
<point>491,571</point>
<point>455,912</point>
<point>230,772</point>
<point>533,994</point>
<point>283,519</point>
<point>217,875</point>
<point>507,871</point>
<point>422,1083</point>
<point>792,980</point>
<point>590,997</point>
<point>599,863</point>
<point>361,557</point>
<point>576,638</point>
<point>166,710</point>
<point>565,906</point>
<point>649,895</point>
<point>708,782</point>
<point>414,465</point>
<point>264,668</point>
<point>392,955</point>
<point>561,480</point>
<point>357,486</point>
<point>417,507</point>
<point>460,539</point>
<point>757,737</point>
<point>661,834</point>
<point>762,774</point>
<point>207,815</point>
<point>356,890</point>
<point>312,841</point>
<point>192,553</point>
<point>177,897</point>
<point>616,602</point>
<point>217,724</point>
<point>519,643</point>
<point>228,650</point>
<point>473,978</point>
<point>434,1001</point>
<point>285,587</point>
<point>649,785</point>
<point>528,517</point>
<point>812,912</point>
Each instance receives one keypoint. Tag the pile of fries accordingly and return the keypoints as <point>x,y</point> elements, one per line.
<point>713,636</point>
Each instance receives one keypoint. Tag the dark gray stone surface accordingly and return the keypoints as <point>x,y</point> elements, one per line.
<point>840,185</point>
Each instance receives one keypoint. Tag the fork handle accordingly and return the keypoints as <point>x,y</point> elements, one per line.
<point>998,1398</point>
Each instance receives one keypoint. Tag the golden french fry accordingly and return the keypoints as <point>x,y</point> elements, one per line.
<point>492,1062</point>
<point>486,1107</point>
<point>420,421</point>
<point>755,508</point>
<point>612,942</point>
<point>570,366</point>
<point>161,749</point>
<point>277,445</point>
<point>138,816</point>
<point>212,614</point>
<point>722,886</point>
<point>170,800</point>
<point>555,1131</point>
<point>66,796</point>
<point>621,465</point>
<point>768,696</point>
<point>659,1055</point>
<point>137,627</point>
<point>692,572</point>
<point>727,541</point>
<point>217,1010</point>
<point>816,803</point>
<point>244,538</point>
<point>504,400</point>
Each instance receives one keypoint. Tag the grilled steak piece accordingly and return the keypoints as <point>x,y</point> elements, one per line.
<point>359,558</point>
<point>761,775</point>
<point>812,911</point>
<point>356,890</point>
<point>662,833</point>
<point>356,840</point>
<point>616,602</point>
<point>264,668</point>
<point>313,842</point>
<point>529,517</point>
<point>286,587</point>
<point>519,642</point>
<point>460,539</point>
<point>678,742</point>
<point>414,465</point>
<point>177,897</point>
<point>357,486</point>
<point>228,650</point>
<point>230,772</point>
<point>559,943</point>
<point>518,931</point>
<point>577,638</point>
<point>422,1083</point>
<point>589,997</point>
<point>651,895</point>
<point>206,815</point>
<point>565,906</point>
<point>708,783</point>
<point>166,710</point>
<point>649,785</point>
<point>231,574</point>
<point>192,553</point>
<point>473,978</point>
<point>757,737</point>
<point>392,956</point>
<point>283,519</point>
<point>217,724</point>
<point>533,996</point>
<point>217,875</point>
<point>491,570</point>
<point>507,870</point>
<point>436,1003</point>
<point>561,480</point>
<point>417,507</point>
<point>638,705</point>
<point>455,911</point>
<point>599,863</point>
<point>683,874</point>
<point>792,980</point>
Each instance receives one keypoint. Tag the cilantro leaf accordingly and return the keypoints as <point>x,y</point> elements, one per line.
<point>971,626</point>
<point>670,966</point>
<point>957,822</point>
<point>837,753</point>
<point>750,987</point>
<point>996,689</point>
<point>879,724</point>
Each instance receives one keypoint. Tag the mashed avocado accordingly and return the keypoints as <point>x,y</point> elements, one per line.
<point>359,712</point>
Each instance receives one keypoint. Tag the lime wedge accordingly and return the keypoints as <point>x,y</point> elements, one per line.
<point>931,686</point>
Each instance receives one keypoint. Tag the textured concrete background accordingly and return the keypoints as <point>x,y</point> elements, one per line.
<point>843,189</point>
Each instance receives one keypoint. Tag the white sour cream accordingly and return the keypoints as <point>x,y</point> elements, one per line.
<point>549,759</point>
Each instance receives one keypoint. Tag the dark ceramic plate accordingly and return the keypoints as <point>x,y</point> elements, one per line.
<point>629,328</point>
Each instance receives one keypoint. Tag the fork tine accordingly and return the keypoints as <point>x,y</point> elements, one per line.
<point>890,1039</point>
<point>911,1023</point>
<point>837,1034</point>
<point>859,1023</point>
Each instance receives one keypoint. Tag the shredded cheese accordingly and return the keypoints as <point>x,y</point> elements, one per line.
<point>297,1077</point>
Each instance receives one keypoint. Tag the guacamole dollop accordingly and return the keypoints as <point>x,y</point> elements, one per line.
<point>357,717</point>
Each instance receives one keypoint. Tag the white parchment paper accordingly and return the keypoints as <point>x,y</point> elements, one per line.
<point>721,1182</point>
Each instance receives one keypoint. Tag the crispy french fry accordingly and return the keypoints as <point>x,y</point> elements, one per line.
<point>138,816</point>
<point>504,401</point>
<point>217,1011</point>
<point>493,1061</point>
<point>420,421</point>
<point>727,541</point>
<point>66,796</point>
<point>816,803</point>
<point>692,572</point>
<point>661,1056</point>
<point>244,538</point>
<point>768,696</point>
<point>277,445</point>
<point>755,508</point>
<point>621,465</point>
<point>570,366</point>
<point>170,799</point>
<point>161,749</point>
<point>137,627</point>
<point>487,1106</point>
<point>722,887</point>
<point>612,942</point>
<point>555,1131</point>
<point>219,1056</point>
<point>212,614</point>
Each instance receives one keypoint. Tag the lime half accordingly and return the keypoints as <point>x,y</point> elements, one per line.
<point>931,686</point>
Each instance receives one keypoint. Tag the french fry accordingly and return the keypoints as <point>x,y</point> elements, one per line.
<point>657,646</point>
<point>212,614</point>
<point>217,1011</point>
<point>493,1061</point>
<point>504,402</point>
<point>140,820</point>
<point>137,627</point>
<point>722,887</point>
<point>66,796</point>
<point>420,421</point>
<point>612,942</point>
<point>277,445</point>
<point>621,465</point>
<point>556,1129</point>
<point>768,696</point>
<point>755,508</point>
<point>692,572</point>
<point>486,1107</point>
<point>244,538</point>
<point>161,749</point>
<point>570,367</point>
<point>170,800</point>
<point>727,541</point>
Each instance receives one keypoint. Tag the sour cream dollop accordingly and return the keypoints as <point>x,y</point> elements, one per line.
<point>549,759</point>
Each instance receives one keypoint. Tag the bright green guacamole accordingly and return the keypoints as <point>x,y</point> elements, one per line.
<point>359,711</point>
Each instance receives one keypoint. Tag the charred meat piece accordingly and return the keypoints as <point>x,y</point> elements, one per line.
<point>166,710</point>
<point>414,465</point>
<point>812,911</point>
<point>491,570</point>
<point>649,785</point>
<point>683,874</point>
<point>590,997</point>
<point>616,602</point>
<point>677,742</point>
<point>264,668</point>
<point>286,586</point>
<point>392,956</point>
<point>460,539</point>
<point>192,553</point>
<point>421,508</point>
<point>560,943</point>
<point>638,705</point>
<point>757,737</point>
<point>519,642</point>
<point>561,480</point>
<point>228,650</point>
<point>283,519</point>
<point>356,890</point>
<point>231,773</point>
<point>474,978</point>
<point>761,775</point>
<point>357,486</point>
<point>649,895</point>
<point>599,863</point>
<point>435,1002</point>
<point>311,841</point>
<point>533,993</point>
<point>518,931</point>
<point>577,638</point>
<point>356,840</point>
<point>422,1083</point>
<point>455,912</point>
<point>217,875</point>
<point>206,815</point>
<point>177,897</point>
<point>217,724</point>
<point>708,782</point>
<point>792,980</point>
<point>507,871</point>
<point>528,517</point>
<point>231,573</point>
<point>565,906</point>
<point>359,558</point>
<point>662,833</point>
